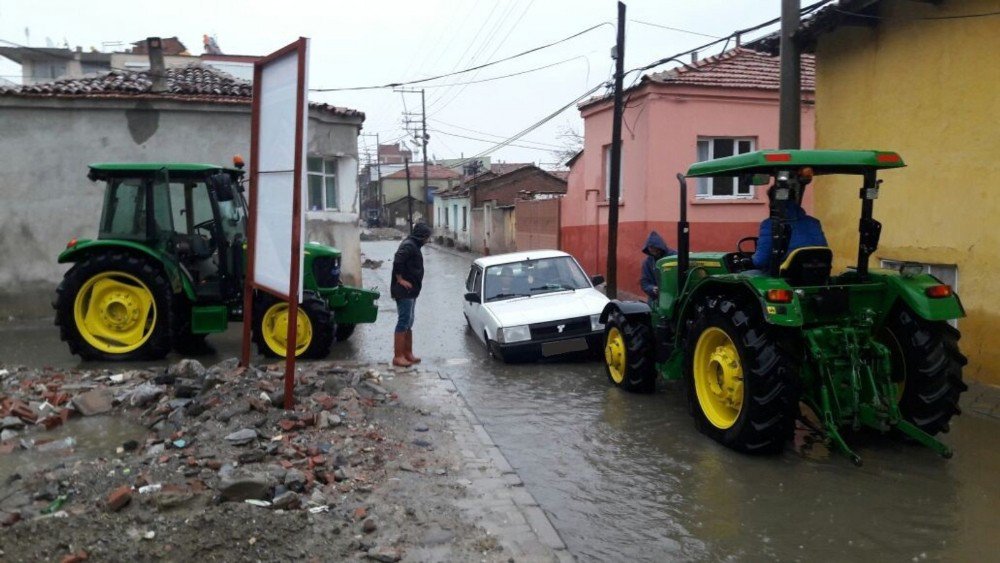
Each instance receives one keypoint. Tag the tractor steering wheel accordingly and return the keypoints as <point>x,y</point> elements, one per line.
<point>209,235</point>
<point>739,246</point>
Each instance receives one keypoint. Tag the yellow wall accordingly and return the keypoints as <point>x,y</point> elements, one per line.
<point>930,90</point>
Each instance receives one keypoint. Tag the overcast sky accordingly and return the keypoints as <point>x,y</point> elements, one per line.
<point>367,42</point>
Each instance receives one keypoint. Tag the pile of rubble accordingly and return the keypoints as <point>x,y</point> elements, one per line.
<point>382,233</point>
<point>204,437</point>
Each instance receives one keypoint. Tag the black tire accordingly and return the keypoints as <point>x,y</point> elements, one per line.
<point>926,355</point>
<point>493,349</point>
<point>320,318</point>
<point>770,390</point>
<point>639,373</point>
<point>344,331</point>
<point>156,345</point>
<point>185,342</point>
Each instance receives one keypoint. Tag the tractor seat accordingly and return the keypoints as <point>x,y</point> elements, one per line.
<point>809,265</point>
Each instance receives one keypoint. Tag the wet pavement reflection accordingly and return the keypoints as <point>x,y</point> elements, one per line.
<point>627,477</point>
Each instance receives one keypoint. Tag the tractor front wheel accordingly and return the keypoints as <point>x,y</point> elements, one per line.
<point>314,329</point>
<point>740,381</point>
<point>927,368</point>
<point>628,354</point>
<point>115,306</point>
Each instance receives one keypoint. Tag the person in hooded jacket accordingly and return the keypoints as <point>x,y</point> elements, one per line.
<point>806,229</point>
<point>407,279</point>
<point>654,249</point>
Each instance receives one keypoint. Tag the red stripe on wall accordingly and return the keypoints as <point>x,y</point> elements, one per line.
<point>589,244</point>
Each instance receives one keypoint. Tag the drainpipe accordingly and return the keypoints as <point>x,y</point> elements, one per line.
<point>157,69</point>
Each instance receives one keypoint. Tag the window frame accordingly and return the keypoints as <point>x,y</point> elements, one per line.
<point>328,169</point>
<point>606,173</point>
<point>708,183</point>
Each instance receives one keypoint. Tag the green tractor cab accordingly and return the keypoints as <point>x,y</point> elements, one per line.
<point>168,268</point>
<point>863,348</point>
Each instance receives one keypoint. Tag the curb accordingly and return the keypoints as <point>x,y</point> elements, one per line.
<point>506,508</point>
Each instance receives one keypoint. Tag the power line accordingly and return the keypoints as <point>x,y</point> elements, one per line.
<point>956,17</point>
<point>675,29</point>
<point>492,134</point>
<point>502,76</point>
<point>489,141</point>
<point>463,71</point>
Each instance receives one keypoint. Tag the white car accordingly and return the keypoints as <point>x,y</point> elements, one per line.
<point>534,304</point>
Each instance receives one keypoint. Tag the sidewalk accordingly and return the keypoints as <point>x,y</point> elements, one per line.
<point>981,399</point>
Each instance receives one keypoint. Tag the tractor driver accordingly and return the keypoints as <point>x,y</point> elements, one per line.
<point>806,230</point>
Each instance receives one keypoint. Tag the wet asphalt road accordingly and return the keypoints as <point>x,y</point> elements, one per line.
<point>627,477</point>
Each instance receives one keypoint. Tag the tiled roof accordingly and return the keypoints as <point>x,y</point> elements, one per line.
<point>434,172</point>
<point>737,68</point>
<point>500,168</point>
<point>193,83</point>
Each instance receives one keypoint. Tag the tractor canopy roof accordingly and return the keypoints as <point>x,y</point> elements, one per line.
<point>821,161</point>
<point>103,170</point>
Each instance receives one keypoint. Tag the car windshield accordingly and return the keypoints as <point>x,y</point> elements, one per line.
<point>533,277</point>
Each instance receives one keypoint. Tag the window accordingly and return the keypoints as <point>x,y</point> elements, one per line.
<point>465,217</point>
<point>322,174</point>
<point>947,273</point>
<point>718,147</point>
<point>607,175</point>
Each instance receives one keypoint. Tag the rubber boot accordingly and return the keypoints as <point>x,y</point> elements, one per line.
<point>399,350</point>
<point>409,348</point>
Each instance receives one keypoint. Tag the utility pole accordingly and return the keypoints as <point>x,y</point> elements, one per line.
<point>379,197</point>
<point>790,114</point>
<point>409,195</point>
<point>616,157</point>
<point>424,137</point>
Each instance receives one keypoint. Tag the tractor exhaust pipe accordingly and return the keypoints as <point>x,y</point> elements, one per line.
<point>683,238</point>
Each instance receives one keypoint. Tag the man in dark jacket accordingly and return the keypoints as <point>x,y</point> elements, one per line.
<point>806,229</point>
<point>654,249</point>
<point>407,278</point>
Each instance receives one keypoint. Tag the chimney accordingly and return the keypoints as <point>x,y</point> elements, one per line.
<point>694,57</point>
<point>157,69</point>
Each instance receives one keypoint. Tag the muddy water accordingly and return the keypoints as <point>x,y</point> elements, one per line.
<point>626,477</point>
<point>81,438</point>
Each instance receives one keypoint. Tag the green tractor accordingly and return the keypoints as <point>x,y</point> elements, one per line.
<point>168,268</point>
<point>861,348</point>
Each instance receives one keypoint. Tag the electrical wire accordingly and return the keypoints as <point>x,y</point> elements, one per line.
<point>542,149</point>
<point>675,29</point>
<point>463,71</point>
<point>485,133</point>
<point>958,17</point>
<point>492,78</point>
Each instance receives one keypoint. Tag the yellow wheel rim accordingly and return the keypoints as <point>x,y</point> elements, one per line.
<point>718,378</point>
<point>614,355</point>
<point>115,312</point>
<point>274,328</point>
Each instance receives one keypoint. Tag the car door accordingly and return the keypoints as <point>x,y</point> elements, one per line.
<point>476,313</point>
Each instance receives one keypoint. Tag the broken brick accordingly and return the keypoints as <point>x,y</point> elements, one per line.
<point>118,498</point>
<point>360,513</point>
<point>75,557</point>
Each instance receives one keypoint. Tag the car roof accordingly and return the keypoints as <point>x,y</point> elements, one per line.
<point>487,261</point>
<point>821,161</point>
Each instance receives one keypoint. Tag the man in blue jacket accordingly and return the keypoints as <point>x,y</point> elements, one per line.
<point>806,231</point>
<point>654,249</point>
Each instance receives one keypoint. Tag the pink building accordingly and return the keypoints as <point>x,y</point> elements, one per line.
<point>729,105</point>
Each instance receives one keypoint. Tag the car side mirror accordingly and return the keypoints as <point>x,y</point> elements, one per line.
<point>473,297</point>
<point>597,280</point>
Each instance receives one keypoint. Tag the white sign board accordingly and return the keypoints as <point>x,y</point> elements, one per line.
<point>281,105</point>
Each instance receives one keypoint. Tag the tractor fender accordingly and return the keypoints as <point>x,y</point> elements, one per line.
<point>752,290</point>
<point>178,280</point>
<point>912,292</point>
<point>633,310</point>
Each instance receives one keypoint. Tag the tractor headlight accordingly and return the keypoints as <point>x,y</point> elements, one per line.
<point>595,323</point>
<point>510,334</point>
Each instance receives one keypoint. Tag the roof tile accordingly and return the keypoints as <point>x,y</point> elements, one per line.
<point>736,68</point>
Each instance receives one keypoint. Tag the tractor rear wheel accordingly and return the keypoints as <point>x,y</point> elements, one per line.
<point>628,354</point>
<point>928,367</point>
<point>314,331</point>
<point>115,306</point>
<point>741,383</point>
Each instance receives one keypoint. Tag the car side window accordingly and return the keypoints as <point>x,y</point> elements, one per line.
<point>470,281</point>
<point>477,284</point>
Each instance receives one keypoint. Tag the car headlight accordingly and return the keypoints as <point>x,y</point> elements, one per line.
<point>595,323</point>
<point>509,334</point>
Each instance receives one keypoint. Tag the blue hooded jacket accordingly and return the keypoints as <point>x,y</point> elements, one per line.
<point>649,281</point>
<point>806,231</point>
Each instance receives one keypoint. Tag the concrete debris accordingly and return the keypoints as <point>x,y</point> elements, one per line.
<point>97,401</point>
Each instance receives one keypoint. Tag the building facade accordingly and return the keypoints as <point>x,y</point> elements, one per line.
<point>920,79</point>
<point>53,131</point>
<point>728,105</point>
